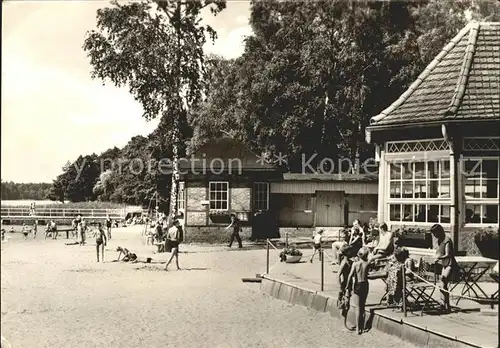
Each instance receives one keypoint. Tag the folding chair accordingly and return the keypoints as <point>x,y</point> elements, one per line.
<point>378,271</point>
<point>420,290</point>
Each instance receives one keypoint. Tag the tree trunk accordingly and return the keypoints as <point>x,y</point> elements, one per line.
<point>176,124</point>
<point>175,171</point>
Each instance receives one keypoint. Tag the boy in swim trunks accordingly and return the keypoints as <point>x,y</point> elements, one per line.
<point>359,279</point>
<point>100,241</point>
<point>317,244</point>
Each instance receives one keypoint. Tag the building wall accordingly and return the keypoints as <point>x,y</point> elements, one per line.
<point>362,207</point>
<point>329,210</point>
<point>196,213</point>
<point>240,197</point>
<point>293,209</point>
<point>240,202</point>
<point>310,187</point>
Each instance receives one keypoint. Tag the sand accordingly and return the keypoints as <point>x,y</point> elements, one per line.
<point>57,295</point>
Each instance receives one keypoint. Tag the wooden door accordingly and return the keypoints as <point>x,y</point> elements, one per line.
<point>329,208</point>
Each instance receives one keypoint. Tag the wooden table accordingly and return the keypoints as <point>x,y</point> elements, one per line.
<point>469,278</point>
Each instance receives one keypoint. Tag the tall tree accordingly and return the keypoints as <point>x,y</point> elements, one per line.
<point>156,49</point>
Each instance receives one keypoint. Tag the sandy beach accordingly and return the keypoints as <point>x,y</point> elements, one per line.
<point>56,295</point>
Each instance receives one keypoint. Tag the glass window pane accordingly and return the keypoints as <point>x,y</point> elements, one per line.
<point>491,214</point>
<point>420,212</point>
<point>433,170</point>
<point>490,188</point>
<point>445,169</point>
<point>472,168</point>
<point>408,212</point>
<point>433,188</point>
<point>445,214</point>
<point>212,205</point>
<point>472,188</point>
<point>420,189</point>
<point>473,214</point>
<point>395,169</point>
<point>224,205</point>
<point>407,189</point>
<point>490,169</point>
<point>395,212</point>
<point>395,189</point>
<point>420,170</point>
<point>444,189</point>
<point>432,213</point>
<point>407,171</point>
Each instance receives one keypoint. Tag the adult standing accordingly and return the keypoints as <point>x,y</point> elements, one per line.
<point>175,236</point>
<point>446,258</point>
<point>235,226</point>
<point>83,232</point>
<point>108,226</point>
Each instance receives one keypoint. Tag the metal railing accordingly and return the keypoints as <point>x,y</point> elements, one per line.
<point>60,213</point>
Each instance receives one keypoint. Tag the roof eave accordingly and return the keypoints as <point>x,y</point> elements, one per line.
<point>423,75</point>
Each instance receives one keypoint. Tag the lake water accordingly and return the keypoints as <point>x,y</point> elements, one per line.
<point>27,202</point>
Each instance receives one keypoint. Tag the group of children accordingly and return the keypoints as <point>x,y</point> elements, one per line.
<point>356,260</point>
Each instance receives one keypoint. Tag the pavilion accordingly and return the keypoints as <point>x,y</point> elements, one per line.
<point>438,145</point>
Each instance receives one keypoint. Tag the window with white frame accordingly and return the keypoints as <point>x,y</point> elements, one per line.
<point>261,196</point>
<point>181,196</point>
<point>481,189</point>
<point>419,191</point>
<point>218,195</point>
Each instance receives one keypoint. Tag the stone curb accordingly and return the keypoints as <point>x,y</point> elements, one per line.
<point>323,303</point>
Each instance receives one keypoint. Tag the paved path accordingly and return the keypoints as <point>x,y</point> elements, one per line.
<point>55,295</point>
<point>476,323</point>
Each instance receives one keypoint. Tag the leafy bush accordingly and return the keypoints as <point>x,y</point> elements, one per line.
<point>487,234</point>
<point>404,231</point>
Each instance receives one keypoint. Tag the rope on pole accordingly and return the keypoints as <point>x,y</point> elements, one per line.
<point>267,261</point>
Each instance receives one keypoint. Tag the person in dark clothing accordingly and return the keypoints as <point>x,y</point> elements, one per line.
<point>235,225</point>
<point>100,241</point>
<point>108,226</point>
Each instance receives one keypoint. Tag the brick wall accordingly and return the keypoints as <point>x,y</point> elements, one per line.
<point>240,199</point>
<point>196,218</point>
<point>194,197</point>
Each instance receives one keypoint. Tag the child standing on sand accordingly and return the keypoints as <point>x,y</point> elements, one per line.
<point>26,231</point>
<point>359,279</point>
<point>100,241</point>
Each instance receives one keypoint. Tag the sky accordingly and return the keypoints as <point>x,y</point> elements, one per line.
<point>52,111</point>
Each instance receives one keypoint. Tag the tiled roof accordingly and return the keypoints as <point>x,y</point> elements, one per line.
<point>461,83</point>
<point>224,153</point>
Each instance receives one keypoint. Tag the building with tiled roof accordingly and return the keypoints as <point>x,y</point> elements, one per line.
<point>438,144</point>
